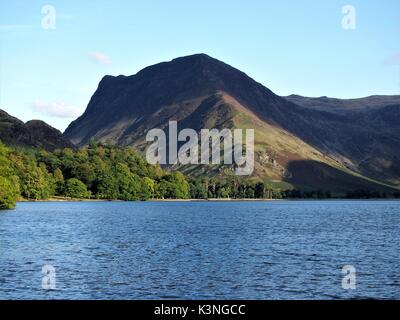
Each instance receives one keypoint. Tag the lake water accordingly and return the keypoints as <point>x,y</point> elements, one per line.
<point>201,250</point>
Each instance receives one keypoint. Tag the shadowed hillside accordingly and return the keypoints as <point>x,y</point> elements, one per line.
<point>201,92</point>
<point>34,133</point>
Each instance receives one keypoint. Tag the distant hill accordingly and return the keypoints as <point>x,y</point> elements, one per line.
<point>363,133</point>
<point>35,133</point>
<point>345,106</point>
<point>296,146</point>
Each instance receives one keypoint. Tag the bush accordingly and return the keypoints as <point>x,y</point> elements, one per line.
<point>8,193</point>
<point>9,185</point>
<point>75,188</point>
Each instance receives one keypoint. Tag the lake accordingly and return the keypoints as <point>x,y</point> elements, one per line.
<point>201,250</point>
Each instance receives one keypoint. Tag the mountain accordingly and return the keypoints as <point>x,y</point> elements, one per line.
<point>296,146</point>
<point>345,106</point>
<point>363,133</point>
<point>34,133</point>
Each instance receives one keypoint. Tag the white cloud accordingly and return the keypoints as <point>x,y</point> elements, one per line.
<point>57,109</point>
<point>99,57</point>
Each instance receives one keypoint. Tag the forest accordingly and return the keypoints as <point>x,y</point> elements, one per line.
<point>107,172</point>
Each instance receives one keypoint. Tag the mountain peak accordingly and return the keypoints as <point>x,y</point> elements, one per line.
<point>198,58</point>
<point>124,100</point>
<point>124,109</point>
<point>194,64</point>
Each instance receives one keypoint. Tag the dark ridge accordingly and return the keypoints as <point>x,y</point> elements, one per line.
<point>34,133</point>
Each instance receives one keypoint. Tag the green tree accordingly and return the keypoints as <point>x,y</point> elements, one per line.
<point>59,182</point>
<point>150,185</point>
<point>75,188</point>
<point>107,186</point>
<point>197,189</point>
<point>9,184</point>
<point>224,192</point>
<point>177,186</point>
<point>9,192</point>
<point>37,183</point>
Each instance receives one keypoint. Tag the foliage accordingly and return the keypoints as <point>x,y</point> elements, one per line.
<point>102,171</point>
<point>232,189</point>
<point>8,193</point>
<point>109,172</point>
<point>35,180</point>
<point>9,185</point>
<point>75,188</point>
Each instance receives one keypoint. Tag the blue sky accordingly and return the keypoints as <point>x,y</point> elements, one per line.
<point>289,46</point>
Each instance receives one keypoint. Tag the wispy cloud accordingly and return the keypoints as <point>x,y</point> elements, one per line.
<point>57,109</point>
<point>99,57</point>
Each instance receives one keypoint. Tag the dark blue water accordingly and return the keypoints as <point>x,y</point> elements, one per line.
<point>201,250</point>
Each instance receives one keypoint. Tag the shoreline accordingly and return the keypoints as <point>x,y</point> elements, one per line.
<point>150,200</point>
<point>66,200</point>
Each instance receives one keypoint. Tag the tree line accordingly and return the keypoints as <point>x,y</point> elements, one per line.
<point>108,172</point>
<point>105,172</point>
<point>97,172</point>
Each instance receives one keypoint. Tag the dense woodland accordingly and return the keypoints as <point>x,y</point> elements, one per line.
<point>105,172</point>
<point>113,173</point>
